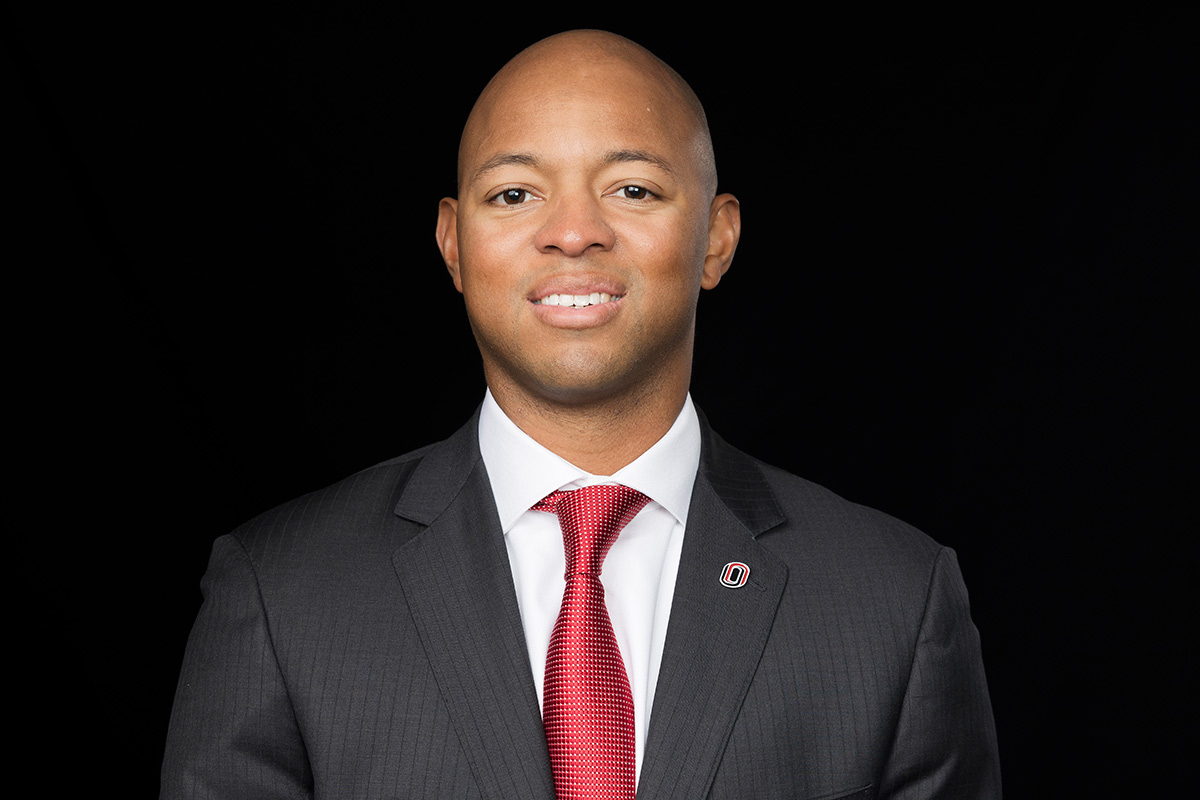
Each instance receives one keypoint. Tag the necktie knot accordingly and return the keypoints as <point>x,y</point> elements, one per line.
<point>591,518</point>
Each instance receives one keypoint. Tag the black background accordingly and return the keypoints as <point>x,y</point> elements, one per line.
<point>963,295</point>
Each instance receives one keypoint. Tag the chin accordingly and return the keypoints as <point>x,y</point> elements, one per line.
<point>580,376</point>
<point>581,392</point>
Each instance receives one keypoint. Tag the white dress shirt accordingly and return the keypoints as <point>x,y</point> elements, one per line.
<point>639,570</point>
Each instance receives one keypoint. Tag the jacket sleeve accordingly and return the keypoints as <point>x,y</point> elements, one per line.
<point>945,742</point>
<point>233,733</point>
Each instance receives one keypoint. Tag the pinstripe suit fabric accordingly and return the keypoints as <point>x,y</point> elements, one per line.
<point>364,641</point>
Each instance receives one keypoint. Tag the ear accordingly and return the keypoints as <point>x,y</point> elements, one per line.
<point>724,230</point>
<point>447,237</point>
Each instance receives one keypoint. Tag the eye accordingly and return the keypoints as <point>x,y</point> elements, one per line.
<point>511,197</point>
<point>634,193</point>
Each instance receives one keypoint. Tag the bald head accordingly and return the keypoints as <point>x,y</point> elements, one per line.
<point>590,63</point>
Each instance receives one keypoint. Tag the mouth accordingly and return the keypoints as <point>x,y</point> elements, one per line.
<point>576,300</point>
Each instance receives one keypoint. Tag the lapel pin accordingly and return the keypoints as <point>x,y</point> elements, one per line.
<point>734,575</point>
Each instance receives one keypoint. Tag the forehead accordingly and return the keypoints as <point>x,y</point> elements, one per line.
<point>578,109</point>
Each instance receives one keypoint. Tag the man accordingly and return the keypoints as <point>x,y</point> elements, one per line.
<point>408,632</point>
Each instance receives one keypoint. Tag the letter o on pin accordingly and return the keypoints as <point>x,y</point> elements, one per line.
<point>734,575</point>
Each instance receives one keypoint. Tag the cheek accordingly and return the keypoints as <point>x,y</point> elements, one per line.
<point>489,265</point>
<point>491,251</point>
<point>675,253</point>
<point>477,258</point>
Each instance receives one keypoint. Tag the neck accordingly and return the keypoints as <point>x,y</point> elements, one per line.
<point>600,436</point>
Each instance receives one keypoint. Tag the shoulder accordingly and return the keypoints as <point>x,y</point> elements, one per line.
<point>861,571</point>
<point>816,530</point>
<point>334,522</point>
<point>819,517</point>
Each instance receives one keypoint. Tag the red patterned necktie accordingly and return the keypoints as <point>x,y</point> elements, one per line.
<point>587,708</point>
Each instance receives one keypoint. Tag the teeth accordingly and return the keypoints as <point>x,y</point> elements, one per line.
<point>577,300</point>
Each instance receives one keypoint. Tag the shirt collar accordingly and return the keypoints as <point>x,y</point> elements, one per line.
<point>522,471</point>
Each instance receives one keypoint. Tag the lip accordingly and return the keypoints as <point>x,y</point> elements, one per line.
<point>577,284</point>
<point>577,318</point>
<point>571,318</point>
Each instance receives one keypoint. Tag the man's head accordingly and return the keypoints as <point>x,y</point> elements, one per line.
<point>586,169</point>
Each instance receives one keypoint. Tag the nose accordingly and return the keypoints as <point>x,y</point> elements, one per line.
<point>574,225</point>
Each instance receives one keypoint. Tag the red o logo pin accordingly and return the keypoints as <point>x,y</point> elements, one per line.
<point>734,575</point>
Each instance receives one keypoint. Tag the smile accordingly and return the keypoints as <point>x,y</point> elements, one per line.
<point>577,300</point>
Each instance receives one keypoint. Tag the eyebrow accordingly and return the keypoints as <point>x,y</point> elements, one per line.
<point>504,160</point>
<point>629,156</point>
<point>612,157</point>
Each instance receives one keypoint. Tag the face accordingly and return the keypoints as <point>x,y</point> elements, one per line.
<point>584,229</point>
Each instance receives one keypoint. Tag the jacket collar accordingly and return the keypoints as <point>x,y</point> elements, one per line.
<point>735,478</point>
<point>441,474</point>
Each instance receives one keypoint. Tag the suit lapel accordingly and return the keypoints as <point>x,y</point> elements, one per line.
<point>716,634</point>
<point>458,585</point>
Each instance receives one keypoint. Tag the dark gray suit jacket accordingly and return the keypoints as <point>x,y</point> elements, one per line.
<point>364,641</point>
